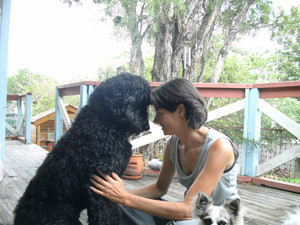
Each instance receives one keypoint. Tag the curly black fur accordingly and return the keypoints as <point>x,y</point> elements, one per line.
<point>98,139</point>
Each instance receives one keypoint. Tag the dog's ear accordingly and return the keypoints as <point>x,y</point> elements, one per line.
<point>131,109</point>
<point>233,206</point>
<point>136,115</point>
<point>201,204</point>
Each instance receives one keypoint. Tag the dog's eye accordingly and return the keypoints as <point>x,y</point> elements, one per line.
<point>222,222</point>
<point>207,221</point>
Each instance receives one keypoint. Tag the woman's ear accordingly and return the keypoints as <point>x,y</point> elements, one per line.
<point>181,109</point>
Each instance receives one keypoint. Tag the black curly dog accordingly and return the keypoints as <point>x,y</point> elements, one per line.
<point>98,139</point>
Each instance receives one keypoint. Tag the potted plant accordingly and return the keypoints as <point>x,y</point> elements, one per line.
<point>136,163</point>
<point>135,167</point>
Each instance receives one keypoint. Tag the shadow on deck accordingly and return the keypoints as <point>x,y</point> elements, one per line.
<point>262,205</point>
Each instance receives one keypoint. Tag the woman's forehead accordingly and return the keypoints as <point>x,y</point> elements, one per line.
<point>161,110</point>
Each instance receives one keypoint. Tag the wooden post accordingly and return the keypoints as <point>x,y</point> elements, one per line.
<point>83,96</point>
<point>85,92</point>
<point>297,166</point>
<point>28,119</point>
<point>4,34</point>
<point>38,135</point>
<point>252,125</point>
<point>58,118</point>
<point>19,113</point>
<point>90,90</point>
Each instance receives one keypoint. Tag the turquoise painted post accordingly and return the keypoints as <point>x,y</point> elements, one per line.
<point>252,126</point>
<point>19,113</point>
<point>90,90</point>
<point>83,96</point>
<point>245,133</point>
<point>85,92</point>
<point>28,119</point>
<point>58,119</point>
<point>4,34</point>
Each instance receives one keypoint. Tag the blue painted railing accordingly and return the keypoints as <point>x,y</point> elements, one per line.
<point>21,107</point>
<point>4,34</point>
<point>84,89</point>
<point>252,105</point>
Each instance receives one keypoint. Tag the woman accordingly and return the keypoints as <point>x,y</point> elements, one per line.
<point>203,158</point>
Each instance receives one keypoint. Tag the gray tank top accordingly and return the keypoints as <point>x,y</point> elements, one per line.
<point>226,187</point>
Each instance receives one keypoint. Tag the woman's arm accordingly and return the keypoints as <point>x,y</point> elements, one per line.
<point>217,161</point>
<point>113,188</point>
<point>219,158</point>
<point>164,180</point>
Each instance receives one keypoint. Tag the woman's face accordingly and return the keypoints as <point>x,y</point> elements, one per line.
<point>167,120</point>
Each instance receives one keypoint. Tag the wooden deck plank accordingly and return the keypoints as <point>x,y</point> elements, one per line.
<point>262,205</point>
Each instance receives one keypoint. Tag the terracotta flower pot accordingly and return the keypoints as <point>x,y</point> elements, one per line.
<point>134,168</point>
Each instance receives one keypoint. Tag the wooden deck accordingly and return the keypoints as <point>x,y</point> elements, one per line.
<point>262,205</point>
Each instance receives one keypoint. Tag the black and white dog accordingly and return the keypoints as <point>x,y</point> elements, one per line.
<point>228,214</point>
<point>292,218</point>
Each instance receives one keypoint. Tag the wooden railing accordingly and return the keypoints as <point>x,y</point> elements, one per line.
<point>252,103</point>
<point>20,111</point>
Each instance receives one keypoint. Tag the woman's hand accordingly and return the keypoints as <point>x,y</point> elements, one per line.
<point>111,187</point>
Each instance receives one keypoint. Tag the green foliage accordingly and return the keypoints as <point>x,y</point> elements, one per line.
<point>104,73</point>
<point>271,132</point>
<point>117,64</point>
<point>236,70</point>
<point>254,69</point>
<point>288,66</point>
<point>231,125</point>
<point>154,7</point>
<point>250,69</point>
<point>260,14</point>
<point>241,67</point>
<point>286,31</point>
<point>148,67</point>
<point>295,180</point>
<point>72,100</point>
<point>289,107</point>
<point>41,87</point>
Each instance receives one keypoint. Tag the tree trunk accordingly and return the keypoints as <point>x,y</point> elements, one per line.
<point>192,29</point>
<point>177,47</point>
<point>184,29</point>
<point>163,51</point>
<point>137,65</point>
<point>232,31</point>
<point>202,39</point>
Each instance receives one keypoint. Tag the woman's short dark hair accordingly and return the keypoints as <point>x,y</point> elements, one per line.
<point>181,91</point>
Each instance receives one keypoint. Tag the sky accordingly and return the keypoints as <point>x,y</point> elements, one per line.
<point>52,39</point>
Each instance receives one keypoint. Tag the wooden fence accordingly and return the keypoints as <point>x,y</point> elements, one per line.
<point>18,117</point>
<point>252,103</point>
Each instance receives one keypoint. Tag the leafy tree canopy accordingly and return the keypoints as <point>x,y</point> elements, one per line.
<point>42,89</point>
<point>286,31</point>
